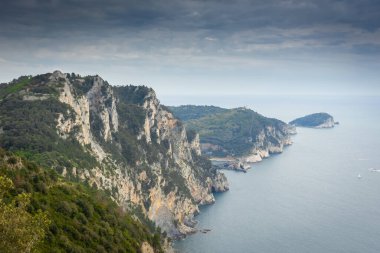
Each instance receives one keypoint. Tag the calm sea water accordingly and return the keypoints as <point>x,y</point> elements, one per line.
<point>309,198</point>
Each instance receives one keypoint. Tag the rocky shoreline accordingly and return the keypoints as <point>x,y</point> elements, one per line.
<point>244,163</point>
<point>235,165</point>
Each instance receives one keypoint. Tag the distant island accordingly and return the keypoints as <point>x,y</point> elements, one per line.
<point>315,120</point>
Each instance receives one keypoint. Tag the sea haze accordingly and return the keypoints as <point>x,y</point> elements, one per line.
<point>308,199</point>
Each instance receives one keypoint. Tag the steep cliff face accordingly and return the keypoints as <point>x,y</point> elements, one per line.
<point>141,154</point>
<point>98,101</point>
<point>270,140</point>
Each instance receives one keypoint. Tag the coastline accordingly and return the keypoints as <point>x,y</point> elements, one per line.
<point>244,163</point>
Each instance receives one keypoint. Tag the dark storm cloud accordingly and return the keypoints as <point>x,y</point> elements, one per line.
<point>197,27</point>
<point>74,16</point>
<point>219,16</point>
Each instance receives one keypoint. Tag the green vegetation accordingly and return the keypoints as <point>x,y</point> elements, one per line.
<point>312,120</point>
<point>82,87</point>
<point>232,132</point>
<point>29,127</point>
<point>131,94</point>
<point>191,112</point>
<point>14,86</point>
<point>76,218</point>
<point>20,231</point>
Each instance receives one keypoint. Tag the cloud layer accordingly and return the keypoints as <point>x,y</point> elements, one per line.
<point>168,43</point>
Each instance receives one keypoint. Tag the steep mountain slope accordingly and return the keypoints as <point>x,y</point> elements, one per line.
<point>80,219</point>
<point>238,132</point>
<point>119,139</point>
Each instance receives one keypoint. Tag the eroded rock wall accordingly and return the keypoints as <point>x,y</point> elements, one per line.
<point>168,189</point>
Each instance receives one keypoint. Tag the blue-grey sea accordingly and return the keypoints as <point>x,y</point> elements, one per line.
<point>307,199</point>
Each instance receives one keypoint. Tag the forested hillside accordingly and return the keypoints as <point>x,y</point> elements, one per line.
<point>63,216</point>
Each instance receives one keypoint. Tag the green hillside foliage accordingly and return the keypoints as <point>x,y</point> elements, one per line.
<point>234,130</point>
<point>132,94</point>
<point>80,219</point>
<point>191,112</point>
<point>29,127</point>
<point>20,231</point>
<point>14,86</point>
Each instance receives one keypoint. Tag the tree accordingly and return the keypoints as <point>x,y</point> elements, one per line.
<point>20,231</point>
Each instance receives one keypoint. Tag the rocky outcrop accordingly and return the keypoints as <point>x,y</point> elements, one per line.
<point>93,102</point>
<point>144,156</point>
<point>146,248</point>
<point>271,140</point>
<point>329,123</point>
<point>219,183</point>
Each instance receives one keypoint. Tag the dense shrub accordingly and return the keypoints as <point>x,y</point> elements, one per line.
<point>82,219</point>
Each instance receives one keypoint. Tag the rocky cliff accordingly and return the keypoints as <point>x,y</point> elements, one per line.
<point>270,140</point>
<point>119,139</point>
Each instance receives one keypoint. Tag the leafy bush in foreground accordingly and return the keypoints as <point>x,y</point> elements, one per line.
<point>82,219</point>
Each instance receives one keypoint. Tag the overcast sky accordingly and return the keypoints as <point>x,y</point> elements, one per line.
<point>199,47</point>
